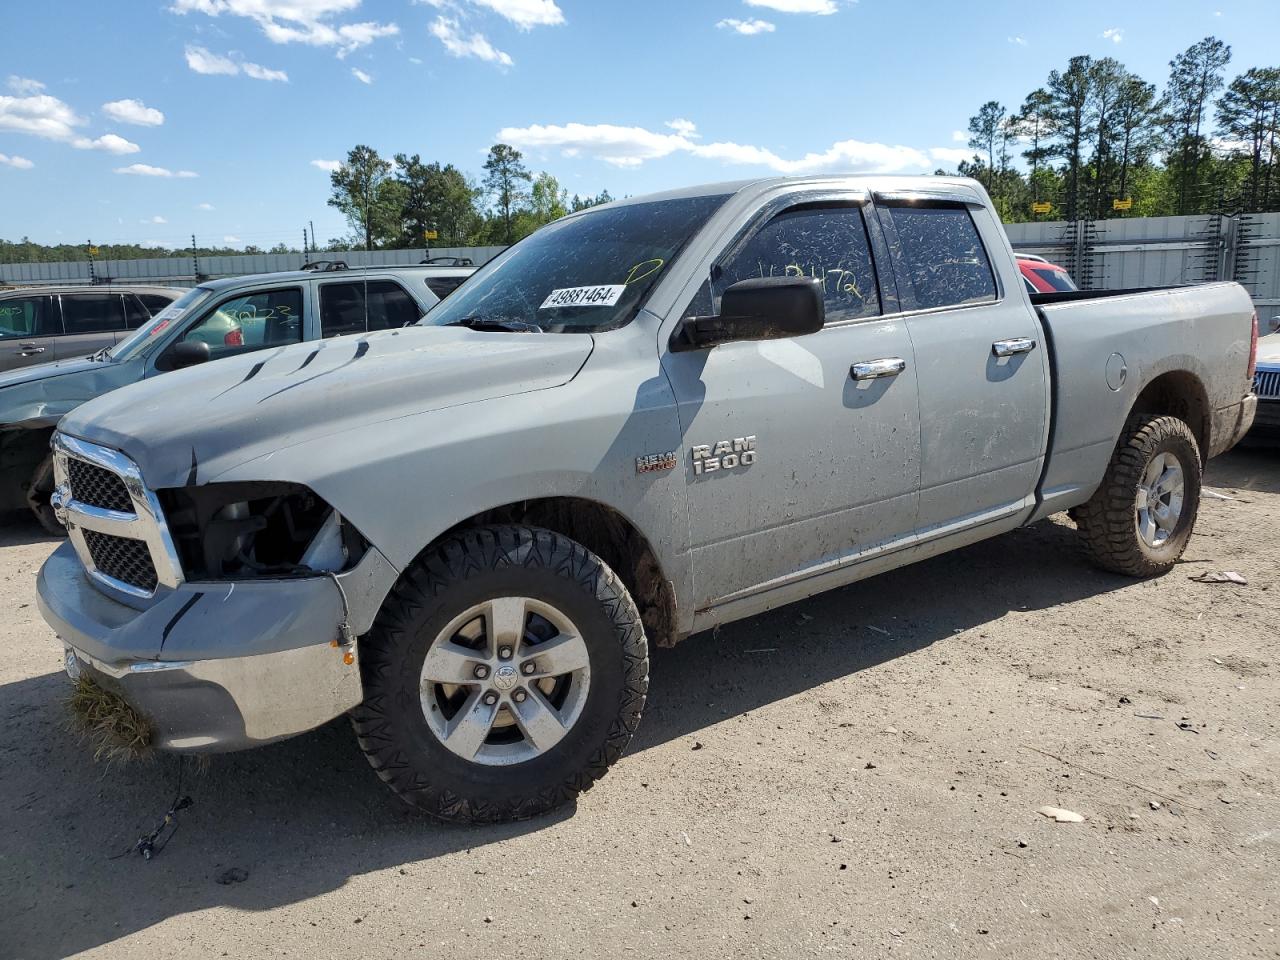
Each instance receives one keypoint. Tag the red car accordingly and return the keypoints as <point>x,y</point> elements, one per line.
<point>1041,276</point>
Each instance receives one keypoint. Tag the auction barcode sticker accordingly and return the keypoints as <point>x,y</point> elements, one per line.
<point>599,296</point>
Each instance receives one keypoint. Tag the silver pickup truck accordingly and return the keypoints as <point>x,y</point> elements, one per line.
<point>645,420</point>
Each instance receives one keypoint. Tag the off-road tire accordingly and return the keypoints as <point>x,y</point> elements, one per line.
<point>462,569</point>
<point>1108,523</point>
<point>39,489</point>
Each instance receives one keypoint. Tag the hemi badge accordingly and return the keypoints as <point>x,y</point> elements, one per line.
<point>656,462</point>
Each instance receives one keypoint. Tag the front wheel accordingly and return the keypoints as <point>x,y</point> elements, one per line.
<point>39,492</point>
<point>505,673</point>
<point>1140,519</point>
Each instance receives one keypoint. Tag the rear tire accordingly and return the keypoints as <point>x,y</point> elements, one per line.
<point>468,621</point>
<point>1139,520</point>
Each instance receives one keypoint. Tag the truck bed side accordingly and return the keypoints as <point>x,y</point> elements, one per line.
<point>1184,348</point>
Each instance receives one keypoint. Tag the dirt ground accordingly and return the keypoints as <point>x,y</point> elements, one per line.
<point>857,775</point>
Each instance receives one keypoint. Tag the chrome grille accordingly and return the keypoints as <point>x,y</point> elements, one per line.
<point>123,559</point>
<point>1266,384</point>
<point>97,486</point>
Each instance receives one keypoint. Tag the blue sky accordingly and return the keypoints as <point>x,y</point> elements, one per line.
<point>147,120</point>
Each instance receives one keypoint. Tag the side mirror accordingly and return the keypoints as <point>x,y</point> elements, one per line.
<point>765,308</point>
<point>1273,325</point>
<point>187,353</point>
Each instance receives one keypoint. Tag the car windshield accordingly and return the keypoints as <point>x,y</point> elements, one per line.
<point>583,274</point>
<point>140,338</point>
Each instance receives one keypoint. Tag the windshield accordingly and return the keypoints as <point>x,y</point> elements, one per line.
<point>140,338</point>
<point>587,273</point>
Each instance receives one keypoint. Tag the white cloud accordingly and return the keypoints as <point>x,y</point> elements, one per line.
<point>361,75</point>
<point>297,21</point>
<point>230,238</point>
<point>48,117</point>
<point>445,29</point>
<point>746,27</point>
<point>155,219</point>
<point>206,62</point>
<point>1018,41</point>
<point>1114,34</point>
<point>415,60</point>
<point>15,161</point>
<point>959,136</point>
<point>632,146</point>
<point>686,128</point>
<point>133,111</point>
<point>329,166</point>
<point>24,86</point>
<point>951,155</point>
<point>820,7</point>
<point>146,170</point>
<point>204,206</point>
<point>109,142</point>
<point>525,14</point>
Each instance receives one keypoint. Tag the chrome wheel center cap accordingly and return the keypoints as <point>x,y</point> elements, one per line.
<point>505,677</point>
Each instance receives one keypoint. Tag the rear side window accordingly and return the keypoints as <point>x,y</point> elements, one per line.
<point>943,257</point>
<point>829,243</point>
<point>1057,279</point>
<point>387,305</point>
<point>443,286</point>
<point>154,302</point>
<point>135,314</point>
<point>27,317</point>
<point>359,307</point>
<point>92,312</point>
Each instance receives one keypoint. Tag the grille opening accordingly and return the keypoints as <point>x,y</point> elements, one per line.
<point>122,558</point>
<point>97,486</point>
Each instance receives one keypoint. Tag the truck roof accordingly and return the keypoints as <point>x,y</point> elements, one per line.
<point>289,275</point>
<point>868,181</point>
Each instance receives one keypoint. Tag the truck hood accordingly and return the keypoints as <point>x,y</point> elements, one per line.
<point>38,396</point>
<point>1269,350</point>
<point>192,425</point>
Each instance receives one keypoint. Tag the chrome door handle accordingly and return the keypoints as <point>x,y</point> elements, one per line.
<point>1007,348</point>
<point>29,349</point>
<point>874,369</point>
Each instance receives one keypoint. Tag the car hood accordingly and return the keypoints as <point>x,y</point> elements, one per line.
<point>1269,350</point>
<point>192,425</point>
<point>40,395</point>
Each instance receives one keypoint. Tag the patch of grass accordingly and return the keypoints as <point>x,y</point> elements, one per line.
<point>104,719</point>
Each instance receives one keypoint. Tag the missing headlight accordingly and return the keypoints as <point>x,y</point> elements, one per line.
<point>261,529</point>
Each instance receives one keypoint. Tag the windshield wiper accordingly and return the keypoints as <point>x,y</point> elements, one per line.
<point>496,323</point>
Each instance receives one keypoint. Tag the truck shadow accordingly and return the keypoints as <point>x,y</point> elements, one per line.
<point>305,816</point>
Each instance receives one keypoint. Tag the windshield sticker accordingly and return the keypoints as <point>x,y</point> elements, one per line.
<point>160,325</point>
<point>601,296</point>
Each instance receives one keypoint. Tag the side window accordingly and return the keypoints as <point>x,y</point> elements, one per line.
<point>829,243</point>
<point>135,314</point>
<point>943,257</point>
<point>341,309</point>
<point>389,305</point>
<point>92,312</point>
<point>27,317</point>
<point>443,286</point>
<point>251,321</point>
<point>154,302</point>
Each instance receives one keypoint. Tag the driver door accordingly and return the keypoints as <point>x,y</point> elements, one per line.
<point>802,455</point>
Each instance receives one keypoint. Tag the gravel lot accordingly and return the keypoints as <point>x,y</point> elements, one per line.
<point>856,775</point>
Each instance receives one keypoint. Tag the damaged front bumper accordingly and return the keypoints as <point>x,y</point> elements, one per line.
<point>220,666</point>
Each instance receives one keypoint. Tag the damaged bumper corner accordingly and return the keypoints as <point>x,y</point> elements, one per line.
<point>218,667</point>
<point>1231,423</point>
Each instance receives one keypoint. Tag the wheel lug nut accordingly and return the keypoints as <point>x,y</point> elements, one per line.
<point>519,696</point>
<point>504,653</point>
<point>528,668</point>
<point>490,698</point>
<point>481,671</point>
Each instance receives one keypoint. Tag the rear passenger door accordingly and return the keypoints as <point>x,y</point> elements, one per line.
<point>29,327</point>
<point>90,321</point>
<point>363,306</point>
<point>981,370</point>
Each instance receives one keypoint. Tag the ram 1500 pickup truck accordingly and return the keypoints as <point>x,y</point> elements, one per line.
<point>647,419</point>
<point>218,319</point>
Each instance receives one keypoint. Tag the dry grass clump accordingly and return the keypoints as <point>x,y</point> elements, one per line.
<point>103,718</point>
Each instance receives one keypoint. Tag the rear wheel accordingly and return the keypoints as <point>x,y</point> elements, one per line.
<point>1140,519</point>
<point>505,673</point>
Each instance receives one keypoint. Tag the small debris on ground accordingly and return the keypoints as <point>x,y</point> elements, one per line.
<point>1154,804</point>
<point>1059,815</point>
<point>697,745</point>
<point>233,875</point>
<point>1223,576</point>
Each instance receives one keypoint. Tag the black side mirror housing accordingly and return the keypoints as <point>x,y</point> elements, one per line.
<point>763,308</point>
<point>187,353</point>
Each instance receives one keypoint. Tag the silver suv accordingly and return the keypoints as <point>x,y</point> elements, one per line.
<point>39,324</point>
